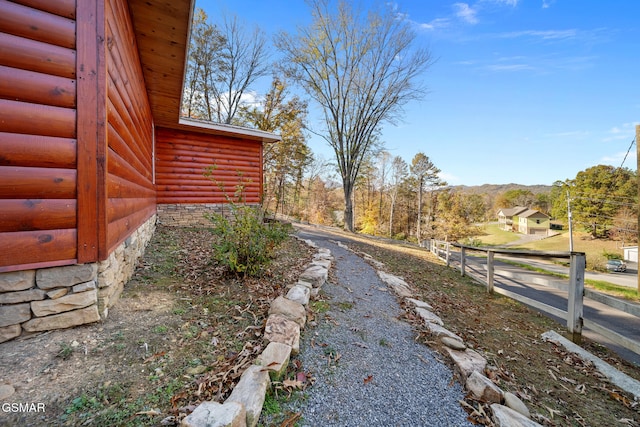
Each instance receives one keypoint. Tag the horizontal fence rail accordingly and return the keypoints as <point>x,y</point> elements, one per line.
<point>574,315</point>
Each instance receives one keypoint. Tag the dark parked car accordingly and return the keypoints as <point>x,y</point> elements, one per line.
<point>616,265</point>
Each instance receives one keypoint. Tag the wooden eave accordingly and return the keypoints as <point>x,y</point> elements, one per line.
<point>162,29</point>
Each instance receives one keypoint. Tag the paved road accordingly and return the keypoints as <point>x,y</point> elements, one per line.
<point>527,285</point>
<point>628,279</point>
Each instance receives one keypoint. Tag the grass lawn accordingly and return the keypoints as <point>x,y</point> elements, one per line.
<point>595,249</point>
<point>494,236</point>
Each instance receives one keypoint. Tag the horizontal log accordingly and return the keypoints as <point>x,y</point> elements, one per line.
<point>128,95</point>
<point>37,183</point>
<point>121,229</point>
<point>179,179</point>
<point>32,55</point>
<point>207,152</point>
<point>204,194</point>
<point>38,88</point>
<point>65,8</point>
<point>18,149</point>
<point>220,160</point>
<point>227,169</point>
<point>119,167</point>
<point>228,187</point>
<point>121,208</point>
<point>37,214</point>
<point>121,188</point>
<point>190,141</point>
<point>133,125</point>
<point>29,247</point>
<point>37,119</point>
<point>25,21</point>
<point>170,179</point>
<point>122,142</point>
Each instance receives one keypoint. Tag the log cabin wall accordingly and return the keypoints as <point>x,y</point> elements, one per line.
<point>38,226</point>
<point>130,193</point>
<point>184,193</point>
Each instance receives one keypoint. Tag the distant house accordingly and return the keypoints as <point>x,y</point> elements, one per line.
<point>505,217</point>
<point>532,221</point>
<point>523,220</point>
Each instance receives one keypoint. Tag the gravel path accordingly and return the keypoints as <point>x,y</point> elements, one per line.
<point>369,370</point>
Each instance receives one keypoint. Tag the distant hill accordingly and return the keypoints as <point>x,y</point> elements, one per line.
<point>494,189</point>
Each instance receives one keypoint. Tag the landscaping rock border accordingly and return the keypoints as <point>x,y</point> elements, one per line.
<point>287,316</point>
<point>507,408</point>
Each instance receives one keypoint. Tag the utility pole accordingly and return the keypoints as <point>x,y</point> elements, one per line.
<point>570,223</point>
<point>638,177</point>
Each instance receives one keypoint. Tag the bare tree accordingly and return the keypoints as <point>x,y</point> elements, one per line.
<point>399,171</point>
<point>244,59</point>
<point>361,68</point>
<point>223,63</point>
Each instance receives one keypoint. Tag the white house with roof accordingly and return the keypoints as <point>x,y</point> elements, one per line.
<point>523,220</point>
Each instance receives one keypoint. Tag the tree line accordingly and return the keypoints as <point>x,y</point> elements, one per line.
<point>360,67</point>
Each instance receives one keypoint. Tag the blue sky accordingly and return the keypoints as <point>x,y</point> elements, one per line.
<point>521,91</point>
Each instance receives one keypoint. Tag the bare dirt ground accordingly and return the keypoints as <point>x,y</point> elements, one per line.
<point>182,332</point>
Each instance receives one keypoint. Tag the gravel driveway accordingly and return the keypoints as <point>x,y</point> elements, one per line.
<point>369,370</point>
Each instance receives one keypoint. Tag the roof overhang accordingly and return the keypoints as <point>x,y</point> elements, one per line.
<point>203,126</point>
<point>162,29</point>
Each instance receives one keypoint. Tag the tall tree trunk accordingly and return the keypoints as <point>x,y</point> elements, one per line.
<point>391,209</point>
<point>348,204</point>
<point>418,228</point>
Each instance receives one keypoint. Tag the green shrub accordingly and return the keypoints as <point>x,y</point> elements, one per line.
<point>246,243</point>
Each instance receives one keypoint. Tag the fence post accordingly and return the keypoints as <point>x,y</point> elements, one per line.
<point>462,253</point>
<point>490,272</point>
<point>576,295</point>
<point>448,253</point>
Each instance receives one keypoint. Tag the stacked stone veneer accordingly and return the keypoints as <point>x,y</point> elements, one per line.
<point>185,215</point>
<point>61,297</point>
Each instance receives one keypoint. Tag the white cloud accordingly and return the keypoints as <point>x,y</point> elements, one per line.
<point>509,67</point>
<point>544,35</point>
<point>625,131</point>
<point>434,24</point>
<point>546,4</point>
<point>466,13</point>
<point>512,3</point>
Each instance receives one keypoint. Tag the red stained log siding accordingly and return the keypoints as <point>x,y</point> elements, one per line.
<point>183,157</point>
<point>38,139</point>
<point>130,194</point>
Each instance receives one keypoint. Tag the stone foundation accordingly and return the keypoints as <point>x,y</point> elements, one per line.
<point>61,297</point>
<point>183,215</point>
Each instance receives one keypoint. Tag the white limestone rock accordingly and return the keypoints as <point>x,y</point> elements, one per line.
<point>420,304</point>
<point>428,316</point>
<point>292,310</point>
<point>483,389</point>
<point>275,359</point>
<point>299,294</point>
<point>507,417</point>
<point>250,392</point>
<point>512,401</point>
<point>282,330</point>
<point>467,362</point>
<point>214,414</point>
<point>399,286</point>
